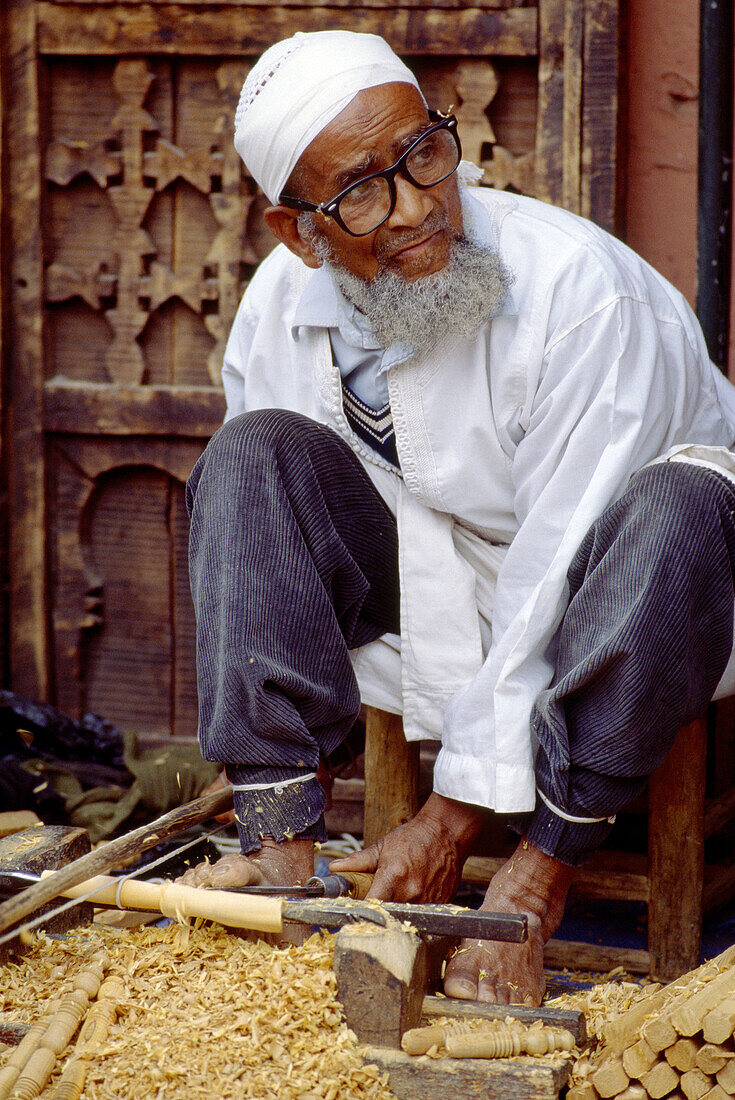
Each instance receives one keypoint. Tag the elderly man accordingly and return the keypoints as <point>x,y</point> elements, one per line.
<point>474,471</point>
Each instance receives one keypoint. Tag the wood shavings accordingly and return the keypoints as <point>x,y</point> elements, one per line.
<point>205,1014</point>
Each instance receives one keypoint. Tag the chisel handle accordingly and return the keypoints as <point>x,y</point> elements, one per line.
<point>348,884</point>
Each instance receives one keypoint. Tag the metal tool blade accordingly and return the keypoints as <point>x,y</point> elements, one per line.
<point>440,920</point>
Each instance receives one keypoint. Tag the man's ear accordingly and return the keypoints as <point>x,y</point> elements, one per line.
<point>283,224</point>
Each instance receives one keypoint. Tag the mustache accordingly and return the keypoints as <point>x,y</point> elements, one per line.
<point>436,221</point>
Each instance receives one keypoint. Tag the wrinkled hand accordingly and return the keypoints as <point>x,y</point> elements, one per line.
<point>284,863</point>
<point>421,860</point>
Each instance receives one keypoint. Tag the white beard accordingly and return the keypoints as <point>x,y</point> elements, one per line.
<point>453,302</point>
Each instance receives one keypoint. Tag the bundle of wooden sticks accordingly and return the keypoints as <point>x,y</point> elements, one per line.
<point>678,1042</point>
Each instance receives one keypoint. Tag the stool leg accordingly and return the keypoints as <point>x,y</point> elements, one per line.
<point>676,855</point>
<point>391,774</point>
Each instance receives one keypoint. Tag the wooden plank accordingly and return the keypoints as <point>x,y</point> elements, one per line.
<point>4,354</point>
<point>224,31</point>
<point>47,848</point>
<point>391,793</point>
<point>600,117</point>
<point>117,853</point>
<point>492,5</point>
<point>550,119</point>
<point>676,855</point>
<point>560,954</point>
<point>89,408</point>
<point>24,441</point>
<point>425,1078</point>
<point>603,880</point>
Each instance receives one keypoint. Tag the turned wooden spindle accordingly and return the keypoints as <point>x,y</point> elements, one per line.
<point>70,1085</point>
<point>11,1071</point>
<point>34,1060</point>
<point>100,1017</point>
<point>507,1042</point>
<point>419,1040</point>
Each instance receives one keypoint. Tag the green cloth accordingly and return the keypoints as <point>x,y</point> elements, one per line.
<point>163,778</point>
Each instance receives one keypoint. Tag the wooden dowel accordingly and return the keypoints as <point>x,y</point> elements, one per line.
<point>726,1078</point>
<point>688,1018</point>
<point>660,1081</point>
<point>719,1023</point>
<point>610,1078</point>
<point>94,1030</point>
<point>627,1029</point>
<point>417,1040</point>
<point>682,1055</point>
<point>264,914</point>
<point>695,1084</point>
<point>711,1057</point>
<point>660,1033</point>
<point>583,1091</point>
<point>11,1071</point>
<point>507,1042</point>
<point>638,1059</point>
<point>35,1074</point>
<point>70,1085</point>
<point>715,1093</point>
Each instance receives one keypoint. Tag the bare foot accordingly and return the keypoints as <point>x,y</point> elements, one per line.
<point>508,973</point>
<point>288,863</point>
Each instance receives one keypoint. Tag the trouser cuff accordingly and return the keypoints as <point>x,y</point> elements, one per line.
<point>282,812</point>
<point>570,842</point>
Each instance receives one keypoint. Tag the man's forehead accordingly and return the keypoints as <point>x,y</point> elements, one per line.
<point>376,123</point>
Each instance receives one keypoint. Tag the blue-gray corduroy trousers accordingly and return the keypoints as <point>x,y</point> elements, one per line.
<point>293,562</point>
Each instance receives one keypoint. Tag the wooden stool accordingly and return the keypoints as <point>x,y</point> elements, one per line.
<point>672,880</point>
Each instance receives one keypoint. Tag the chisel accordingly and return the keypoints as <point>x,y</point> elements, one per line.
<point>264,911</point>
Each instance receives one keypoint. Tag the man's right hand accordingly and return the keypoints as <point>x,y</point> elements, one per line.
<point>421,860</point>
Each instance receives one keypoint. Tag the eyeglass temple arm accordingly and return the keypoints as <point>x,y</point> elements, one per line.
<point>297,204</point>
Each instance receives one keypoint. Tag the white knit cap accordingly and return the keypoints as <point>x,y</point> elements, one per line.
<point>297,88</point>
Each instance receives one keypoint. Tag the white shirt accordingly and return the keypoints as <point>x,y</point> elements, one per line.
<point>511,445</point>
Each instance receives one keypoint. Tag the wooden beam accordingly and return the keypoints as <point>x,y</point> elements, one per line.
<point>225,31</point>
<point>550,117</point>
<point>600,193</point>
<point>572,113</point>
<point>560,954</point>
<point>676,855</point>
<point>492,5</point>
<point>391,793</point>
<point>4,357</point>
<point>471,1078</point>
<point>29,664</point>
<point>96,408</point>
<point>604,880</point>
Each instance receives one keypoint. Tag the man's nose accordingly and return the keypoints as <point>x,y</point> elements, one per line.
<point>412,207</point>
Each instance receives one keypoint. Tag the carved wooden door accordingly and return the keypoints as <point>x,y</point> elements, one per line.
<point>132,231</point>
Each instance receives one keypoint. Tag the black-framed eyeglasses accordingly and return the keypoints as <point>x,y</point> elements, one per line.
<point>363,206</point>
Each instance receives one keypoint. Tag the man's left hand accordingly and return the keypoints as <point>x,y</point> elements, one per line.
<point>421,860</point>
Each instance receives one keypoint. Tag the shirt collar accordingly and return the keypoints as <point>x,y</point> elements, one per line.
<point>322,304</point>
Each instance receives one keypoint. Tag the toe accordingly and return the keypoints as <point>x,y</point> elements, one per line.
<point>460,985</point>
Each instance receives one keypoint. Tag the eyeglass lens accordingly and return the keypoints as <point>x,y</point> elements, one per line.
<point>368,203</point>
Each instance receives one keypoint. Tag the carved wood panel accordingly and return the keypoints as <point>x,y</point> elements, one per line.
<point>135,231</point>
